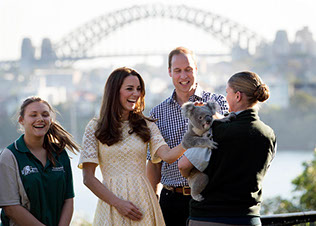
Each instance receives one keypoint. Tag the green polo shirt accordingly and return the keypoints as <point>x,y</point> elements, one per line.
<point>47,187</point>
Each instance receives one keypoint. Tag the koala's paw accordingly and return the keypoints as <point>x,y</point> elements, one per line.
<point>186,145</point>
<point>232,115</point>
<point>228,117</point>
<point>212,145</point>
<point>198,197</point>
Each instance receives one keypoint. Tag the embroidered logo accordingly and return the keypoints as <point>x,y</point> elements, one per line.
<point>61,168</point>
<point>28,170</point>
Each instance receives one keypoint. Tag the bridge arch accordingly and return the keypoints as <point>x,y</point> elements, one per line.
<point>77,43</point>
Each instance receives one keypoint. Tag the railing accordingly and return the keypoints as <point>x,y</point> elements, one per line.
<point>300,218</point>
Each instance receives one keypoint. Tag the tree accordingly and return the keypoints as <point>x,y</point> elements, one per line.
<point>278,205</point>
<point>306,183</point>
<point>305,188</point>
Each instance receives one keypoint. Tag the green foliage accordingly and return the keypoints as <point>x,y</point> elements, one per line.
<point>302,102</point>
<point>299,116</point>
<point>305,186</point>
<point>306,183</point>
<point>279,205</point>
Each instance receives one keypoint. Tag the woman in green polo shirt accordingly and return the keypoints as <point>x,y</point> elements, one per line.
<point>36,186</point>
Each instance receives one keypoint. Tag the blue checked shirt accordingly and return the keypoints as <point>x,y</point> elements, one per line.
<point>173,125</point>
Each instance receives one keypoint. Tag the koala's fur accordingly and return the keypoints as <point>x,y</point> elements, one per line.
<point>198,135</point>
<point>200,121</point>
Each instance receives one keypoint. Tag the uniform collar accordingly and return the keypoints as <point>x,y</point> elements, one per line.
<point>249,112</point>
<point>196,96</point>
<point>20,145</point>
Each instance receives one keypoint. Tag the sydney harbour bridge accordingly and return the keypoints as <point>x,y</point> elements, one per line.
<point>77,44</point>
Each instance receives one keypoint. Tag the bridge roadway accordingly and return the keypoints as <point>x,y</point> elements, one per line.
<point>76,45</point>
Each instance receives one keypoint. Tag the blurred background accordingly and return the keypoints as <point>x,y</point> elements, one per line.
<point>63,51</point>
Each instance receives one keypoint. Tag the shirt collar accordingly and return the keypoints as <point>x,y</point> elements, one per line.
<point>20,145</point>
<point>198,92</point>
<point>250,109</point>
<point>196,96</point>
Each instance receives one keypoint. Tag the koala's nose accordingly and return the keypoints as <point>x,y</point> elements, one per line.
<point>208,119</point>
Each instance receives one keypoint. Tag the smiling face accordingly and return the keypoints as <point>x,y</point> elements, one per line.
<point>183,72</point>
<point>130,92</point>
<point>36,119</point>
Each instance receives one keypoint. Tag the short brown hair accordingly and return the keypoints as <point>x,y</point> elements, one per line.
<point>180,50</point>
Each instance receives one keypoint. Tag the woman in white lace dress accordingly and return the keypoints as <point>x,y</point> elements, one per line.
<point>118,141</point>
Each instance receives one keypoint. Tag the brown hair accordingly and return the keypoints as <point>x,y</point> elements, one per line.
<point>250,84</point>
<point>57,138</point>
<point>108,130</point>
<point>180,50</point>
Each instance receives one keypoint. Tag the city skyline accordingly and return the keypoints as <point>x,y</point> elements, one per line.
<point>55,19</point>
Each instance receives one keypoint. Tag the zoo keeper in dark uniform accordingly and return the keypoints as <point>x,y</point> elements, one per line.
<point>37,188</point>
<point>246,147</point>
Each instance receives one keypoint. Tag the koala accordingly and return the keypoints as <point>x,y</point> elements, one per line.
<point>200,122</point>
<point>198,135</point>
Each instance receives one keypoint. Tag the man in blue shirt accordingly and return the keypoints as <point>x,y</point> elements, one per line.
<point>175,195</point>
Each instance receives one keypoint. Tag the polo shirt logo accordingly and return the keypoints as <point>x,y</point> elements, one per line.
<point>28,170</point>
<point>61,168</point>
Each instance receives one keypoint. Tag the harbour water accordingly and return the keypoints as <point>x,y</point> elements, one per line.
<point>285,167</point>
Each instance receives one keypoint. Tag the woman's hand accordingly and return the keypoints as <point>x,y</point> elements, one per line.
<point>218,116</point>
<point>185,166</point>
<point>128,209</point>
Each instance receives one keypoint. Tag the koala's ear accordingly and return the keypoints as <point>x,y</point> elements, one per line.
<point>187,108</point>
<point>212,106</point>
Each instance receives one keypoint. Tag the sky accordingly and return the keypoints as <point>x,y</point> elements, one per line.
<point>54,19</point>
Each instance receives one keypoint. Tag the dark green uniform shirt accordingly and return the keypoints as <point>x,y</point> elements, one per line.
<point>47,186</point>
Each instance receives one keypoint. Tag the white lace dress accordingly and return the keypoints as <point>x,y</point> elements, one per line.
<point>123,167</point>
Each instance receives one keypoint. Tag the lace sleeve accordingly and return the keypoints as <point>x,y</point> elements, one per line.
<point>90,145</point>
<point>156,141</point>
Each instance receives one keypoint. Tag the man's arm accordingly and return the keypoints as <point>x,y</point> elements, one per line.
<point>222,102</point>
<point>153,172</point>
<point>185,166</point>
